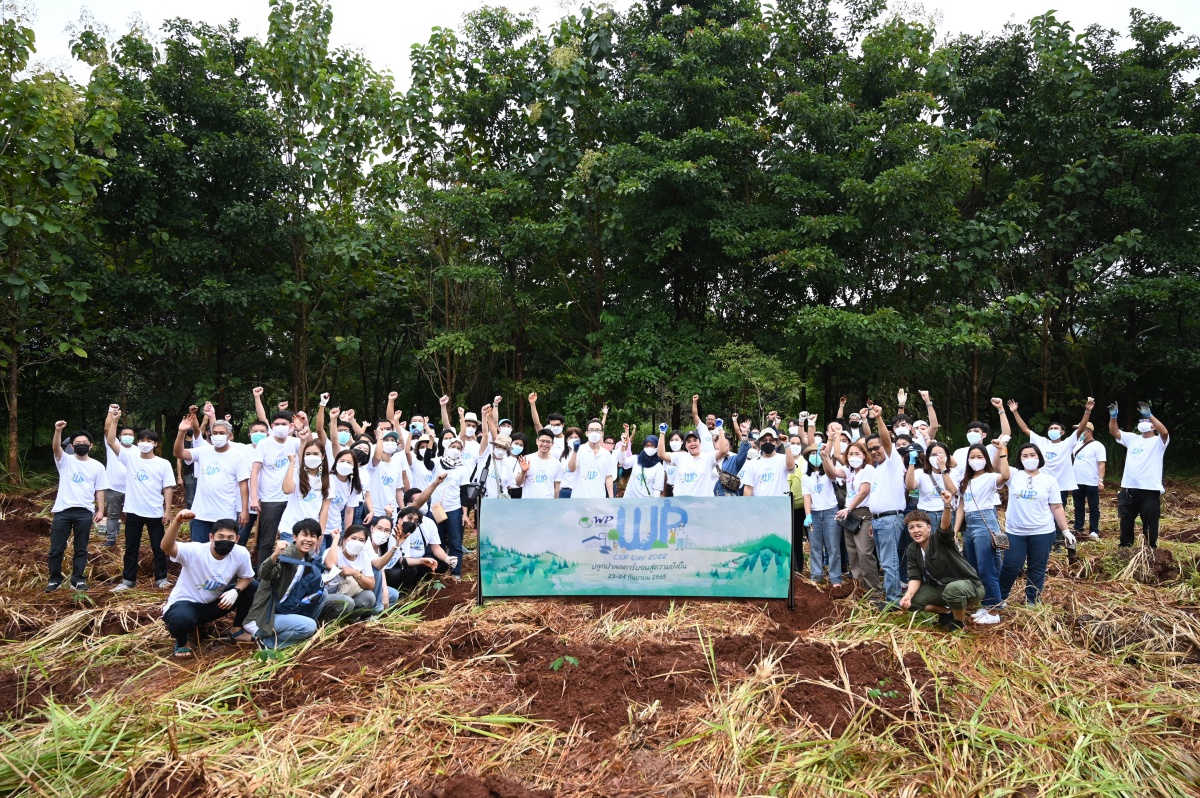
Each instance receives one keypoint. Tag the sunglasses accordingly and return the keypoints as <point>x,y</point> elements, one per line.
<point>874,448</point>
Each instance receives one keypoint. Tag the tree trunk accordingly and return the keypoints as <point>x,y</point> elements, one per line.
<point>974,414</point>
<point>14,461</point>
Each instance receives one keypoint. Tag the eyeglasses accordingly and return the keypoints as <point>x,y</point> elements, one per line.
<point>874,448</point>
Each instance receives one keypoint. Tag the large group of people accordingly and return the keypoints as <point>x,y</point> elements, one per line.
<point>346,515</point>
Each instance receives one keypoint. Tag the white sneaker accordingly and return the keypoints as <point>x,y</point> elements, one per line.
<point>975,615</point>
<point>162,584</point>
<point>986,618</point>
<point>122,587</point>
<point>1093,536</point>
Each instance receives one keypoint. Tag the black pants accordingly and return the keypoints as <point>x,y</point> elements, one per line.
<point>133,544</point>
<point>269,514</point>
<point>798,542</point>
<point>72,522</point>
<point>405,577</point>
<point>183,617</point>
<point>1091,495</point>
<point>244,531</point>
<point>1132,502</point>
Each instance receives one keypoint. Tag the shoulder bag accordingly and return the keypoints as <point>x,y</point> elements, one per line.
<point>999,537</point>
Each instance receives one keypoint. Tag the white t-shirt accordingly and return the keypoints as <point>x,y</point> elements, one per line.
<point>888,493</point>
<point>645,483</point>
<point>114,467</point>
<point>147,480</point>
<point>502,475</point>
<point>341,496</point>
<point>360,563</point>
<point>273,457</point>
<point>386,478</point>
<point>960,468</point>
<point>820,488</point>
<point>854,482</point>
<point>449,493</point>
<point>300,506</point>
<point>470,452</point>
<point>414,544</point>
<point>980,493</point>
<point>1058,457</point>
<point>930,487</point>
<point>768,476</point>
<point>1029,500</point>
<point>1144,462</point>
<point>566,479</point>
<point>693,473</point>
<point>419,476</point>
<point>1088,458</point>
<point>671,470</point>
<point>78,481</point>
<point>218,475</point>
<point>203,578</point>
<point>591,471</point>
<point>540,479</point>
<point>706,435</point>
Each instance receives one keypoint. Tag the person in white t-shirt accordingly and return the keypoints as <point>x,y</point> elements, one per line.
<point>114,497</point>
<point>149,489</point>
<point>860,543</point>
<point>348,567</point>
<point>647,474</point>
<point>1141,481</point>
<point>274,456</point>
<point>502,475</point>
<point>1034,513</point>
<point>222,478</point>
<point>554,422</point>
<point>447,495</point>
<point>1056,446</point>
<point>417,552</point>
<point>768,475</point>
<point>78,504</point>
<point>345,492</point>
<point>820,518</point>
<point>704,429</point>
<point>306,486</point>
<point>695,469</point>
<point>389,477</point>
<point>594,467</point>
<point>421,454</point>
<point>1088,460</point>
<point>976,517</point>
<point>215,578</point>
<point>540,473</point>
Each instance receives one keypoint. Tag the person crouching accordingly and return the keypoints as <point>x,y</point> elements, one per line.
<point>940,580</point>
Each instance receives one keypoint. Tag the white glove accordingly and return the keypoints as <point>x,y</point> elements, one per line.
<point>228,598</point>
<point>1069,537</point>
<point>453,561</point>
<point>324,399</point>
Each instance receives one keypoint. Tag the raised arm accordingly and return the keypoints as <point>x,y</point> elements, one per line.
<point>260,412</point>
<point>110,429</point>
<point>901,401</point>
<point>170,544</point>
<point>355,427</point>
<point>179,451</point>
<point>885,435</point>
<point>390,411</point>
<point>533,411</point>
<point>832,469</point>
<point>444,403</point>
<point>934,426</point>
<point>1114,428</point>
<point>424,496</point>
<point>1000,459</point>
<point>319,423</point>
<point>1088,407</point>
<point>1148,414</point>
<point>604,416</point>
<point>841,408</point>
<point>486,426</point>
<point>56,440</point>
<point>663,454</point>
<point>696,410</point>
<point>1012,408</point>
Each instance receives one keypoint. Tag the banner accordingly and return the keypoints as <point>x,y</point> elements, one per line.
<point>684,546</point>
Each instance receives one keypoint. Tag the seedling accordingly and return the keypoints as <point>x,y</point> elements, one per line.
<point>558,663</point>
<point>878,692</point>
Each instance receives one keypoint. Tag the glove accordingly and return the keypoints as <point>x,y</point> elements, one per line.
<point>1144,409</point>
<point>1069,537</point>
<point>663,427</point>
<point>808,520</point>
<point>228,598</point>
<point>575,444</point>
<point>1112,410</point>
<point>912,458</point>
<point>720,423</point>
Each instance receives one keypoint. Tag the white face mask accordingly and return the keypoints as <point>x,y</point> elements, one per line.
<point>389,447</point>
<point>344,468</point>
<point>650,451</point>
<point>499,454</point>
<point>219,440</point>
<point>676,445</point>
<point>974,437</point>
<point>935,460</point>
<point>1029,463</point>
<point>312,461</point>
<point>453,456</point>
<point>793,430</point>
<point>843,447</point>
<point>470,432</point>
<point>753,454</point>
<point>506,431</point>
<point>594,437</point>
<point>856,462</point>
<point>127,440</point>
<point>280,431</point>
<point>902,430</point>
<point>796,449</point>
<point>556,429</point>
<point>977,464</point>
<point>355,547</point>
<point>1144,427</point>
<point>145,447</point>
<point>379,538</point>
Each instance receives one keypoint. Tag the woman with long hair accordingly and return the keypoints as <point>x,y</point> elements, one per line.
<point>860,543</point>
<point>929,476</point>
<point>345,492</point>
<point>307,487</point>
<point>571,437</point>
<point>976,516</point>
<point>1034,506</point>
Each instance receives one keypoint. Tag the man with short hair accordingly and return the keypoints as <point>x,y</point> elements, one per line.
<point>555,422</point>
<point>222,477</point>
<point>1088,459</point>
<point>114,497</point>
<point>768,475</point>
<point>149,489</point>
<point>268,468</point>
<point>214,578</point>
<point>1141,481</point>
<point>540,475</point>
<point>81,485</point>
<point>940,580</point>
<point>595,466</point>
<point>887,502</point>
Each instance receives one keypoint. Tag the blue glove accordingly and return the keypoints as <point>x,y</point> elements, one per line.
<point>1112,410</point>
<point>1144,409</point>
<point>912,458</point>
<point>575,444</point>
<point>663,427</point>
<point>720,422</point>
<point>808,520</point>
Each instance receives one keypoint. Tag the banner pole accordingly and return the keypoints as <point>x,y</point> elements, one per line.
<point>792,568</point>
<point>479,552</point>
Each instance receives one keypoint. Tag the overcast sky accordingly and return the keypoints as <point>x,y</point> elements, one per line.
<point>385,30</point>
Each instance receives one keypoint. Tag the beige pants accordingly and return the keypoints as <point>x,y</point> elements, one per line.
<point>860,546</point>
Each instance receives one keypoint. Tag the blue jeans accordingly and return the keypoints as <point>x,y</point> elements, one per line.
<point>200,531</point>
<point>564,493</point>
<point>825,546</point>
<point>380,586</point>
<point>292,629</point>
<point>887,538</point>
<point>979,552</point>
<point>451,533</point>
<point>1031,552</point>
<point>244,531</point>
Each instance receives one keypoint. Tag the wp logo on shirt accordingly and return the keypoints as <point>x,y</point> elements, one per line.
<point>78,479</point>
<point>212,469</point>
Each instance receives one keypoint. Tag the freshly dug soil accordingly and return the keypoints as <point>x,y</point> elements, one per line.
<point>467,786</point>
<point>165,780</point>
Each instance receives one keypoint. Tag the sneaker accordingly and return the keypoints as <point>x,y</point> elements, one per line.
<point>79,584</point>
<point>975,615</point>
<point>949,623</point>
<point>50,588</point>
<point>162,584</point>
<point>122,587</point>
<point>986,618</point>
<point>108,544</point>
<point>1093,536</point>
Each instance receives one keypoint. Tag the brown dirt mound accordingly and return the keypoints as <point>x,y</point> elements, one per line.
<point>453,593</point>
<point>1191,535</point>
<point>165,779</point>
<point>19,527</point>
<point>467,786</point>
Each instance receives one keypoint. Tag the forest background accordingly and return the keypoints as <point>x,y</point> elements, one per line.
<point>766,205</point>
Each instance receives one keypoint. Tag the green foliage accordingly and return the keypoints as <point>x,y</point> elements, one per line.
<point>564,660</point>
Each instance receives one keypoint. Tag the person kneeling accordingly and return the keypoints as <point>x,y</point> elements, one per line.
<point>214,578</point>
<point>349,571</point>
<point>940,579</point>
<point>291,598</point>
<point>418,552</point>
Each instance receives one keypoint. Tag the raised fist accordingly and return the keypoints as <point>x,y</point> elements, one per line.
<point>842,401</point>
<point>1090,405</point>
<point>59,425</point>
<point>925,396</point>
<point>114,411</point>
<point>445,400</point>
<point>496,401</point>
<point>533,397</point>
<point>257,391</point>
<point>185,515</point>
<point>282,405</point>
<point>393,395</point>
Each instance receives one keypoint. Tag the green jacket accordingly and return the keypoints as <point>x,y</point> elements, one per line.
<point>274,578</point>
<point>943,563</point>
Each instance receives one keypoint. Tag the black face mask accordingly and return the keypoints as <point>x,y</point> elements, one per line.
<point>361,457</point>
<point>767,448</point>
<point>223,547</point>
<point>903,452</point>
<point>81,448</point>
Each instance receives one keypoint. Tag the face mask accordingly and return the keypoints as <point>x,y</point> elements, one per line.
<point>414,428</point>
<point>219,440</point>
<point>753,454</point>
<point>343,437</point>
<point>517,449</point>
<point>280,431</point>
<point>312,461</point>
<point>1145,426</point>
<point>556,429</point>
<point>344,468</point>
<point>856,462</point>
<point>676,445</point>
<point>470,432</point>
<point>935,460</point>
<point>223,547</point>
<point>815,459</point>
<point>506,431</point>
<point>1029,463</point>
<point>355,547</point>
<point>145,447</point>
<point>500,454</point>
<point>843,447</point>
<point>974,437</point>
<point>361,457</point>
<point>453,456</point>
<point>389,447</point>
<point>594,437</point>
<point>81,448</point>
<point>796,449</point>
<point>379,538</point>
<point>767,448</point>
<point>977,464</point>
<point>257,437</point>
<point>902,430</point>
<point>1054,434</point>
<point>793,430</point>
<point>650,451</point>
<point>127,440</point>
